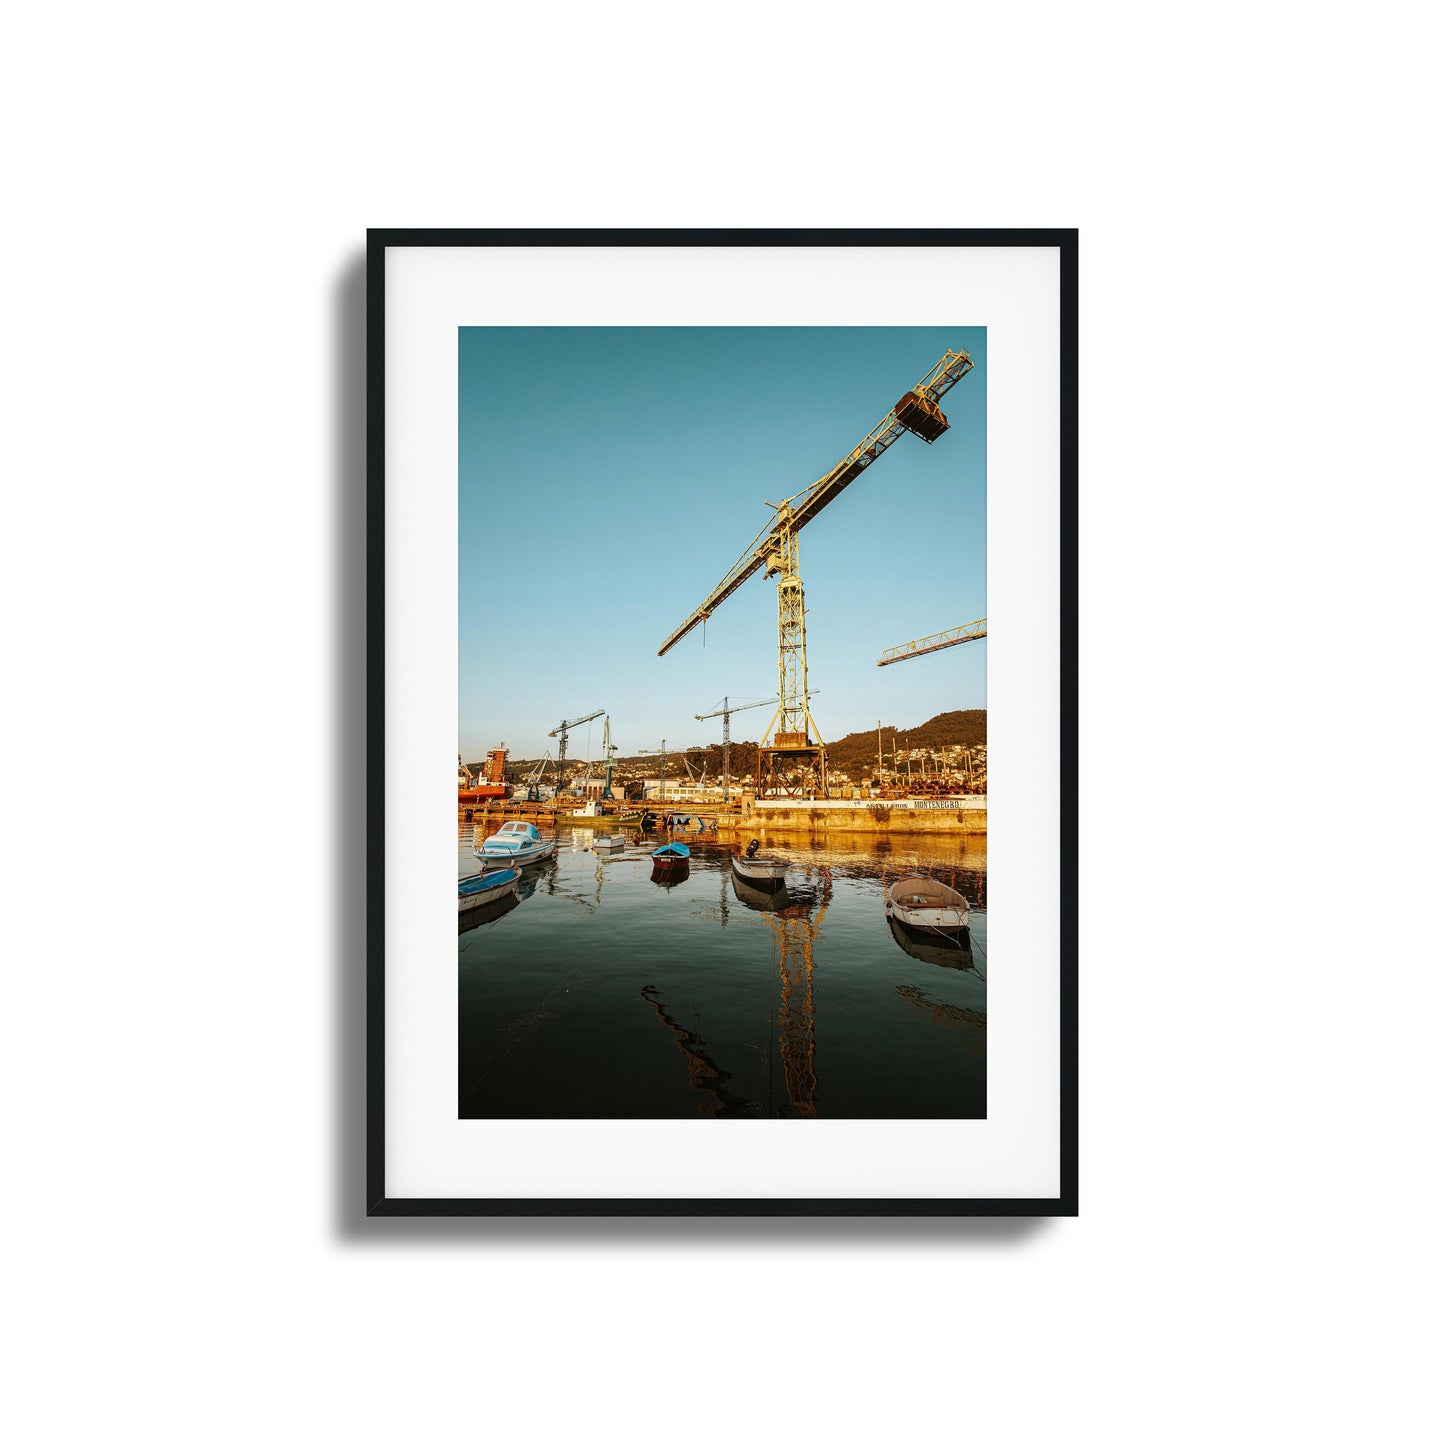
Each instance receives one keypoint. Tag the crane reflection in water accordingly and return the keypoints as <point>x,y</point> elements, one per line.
<point>794,921</point>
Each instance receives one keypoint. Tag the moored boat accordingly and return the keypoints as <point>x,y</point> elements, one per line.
<point>584,819</point>
<point>515,845</point>
<point>927,904</point>
<point>609,842</point>
<point>485,785</point>
<point>760,869</point>
<point>486,887</point>
<point>671,855</point>
<point>483,793</point>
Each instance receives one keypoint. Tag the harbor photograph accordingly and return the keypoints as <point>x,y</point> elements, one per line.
<point>722,772</point>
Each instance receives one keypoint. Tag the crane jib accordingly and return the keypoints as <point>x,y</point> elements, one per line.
<point>917,412</point>
<point>817,497</point>
<point>576,722</point>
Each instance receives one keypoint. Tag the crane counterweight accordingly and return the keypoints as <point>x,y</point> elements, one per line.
<point>921,416</point>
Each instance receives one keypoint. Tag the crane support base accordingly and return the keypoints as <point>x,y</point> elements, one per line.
<point>793,772</point>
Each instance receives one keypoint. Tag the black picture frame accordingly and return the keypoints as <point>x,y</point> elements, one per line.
<point>377,1202</point>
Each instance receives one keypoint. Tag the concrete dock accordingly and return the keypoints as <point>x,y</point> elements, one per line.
<point>845,815</point>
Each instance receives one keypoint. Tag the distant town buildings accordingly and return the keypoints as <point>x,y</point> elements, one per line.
<point>951,769</point>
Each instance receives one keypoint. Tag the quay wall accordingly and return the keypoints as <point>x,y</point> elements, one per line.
<point>911,815</point>
<point>902,816</point>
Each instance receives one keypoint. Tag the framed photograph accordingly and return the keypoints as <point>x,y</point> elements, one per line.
<point>722,649</point>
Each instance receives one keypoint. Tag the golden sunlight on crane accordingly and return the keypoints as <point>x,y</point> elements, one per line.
<point>793,760</point>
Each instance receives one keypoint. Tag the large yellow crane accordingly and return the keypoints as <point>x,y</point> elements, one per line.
<point>793,758</point>
<point>936,642</point>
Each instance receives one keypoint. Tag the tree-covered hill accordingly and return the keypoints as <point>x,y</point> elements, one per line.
<point>857,753</point>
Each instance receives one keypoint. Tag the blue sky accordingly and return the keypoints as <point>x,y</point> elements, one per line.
<point>610,476</point>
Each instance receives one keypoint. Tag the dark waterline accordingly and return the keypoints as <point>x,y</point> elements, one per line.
<point>605,991</point>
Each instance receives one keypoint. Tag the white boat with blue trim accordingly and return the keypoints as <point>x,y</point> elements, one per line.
<point>515,845</point>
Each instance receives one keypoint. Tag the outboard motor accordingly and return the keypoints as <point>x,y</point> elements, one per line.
<point>752,849</point>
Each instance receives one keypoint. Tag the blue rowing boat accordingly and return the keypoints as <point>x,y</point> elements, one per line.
<point>671,855</point>
<point>483,888</point>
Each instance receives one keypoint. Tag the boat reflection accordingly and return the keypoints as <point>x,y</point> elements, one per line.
<point>491,912</point>
<point>764,900</point>
<point>532,876</point>
<point>949,1015</point>
<point>669,876</point>
<point>947,950</point>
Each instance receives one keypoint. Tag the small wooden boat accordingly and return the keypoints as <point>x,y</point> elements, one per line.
<point>927,904</point>
<point>486,887</point>
<point>609,842</point>
<point>760,869</point>
<point>515,845</point>
<point>671,855</point>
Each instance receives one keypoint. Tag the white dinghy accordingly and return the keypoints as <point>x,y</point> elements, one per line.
<point>760,869</point>
<point>927,904</point>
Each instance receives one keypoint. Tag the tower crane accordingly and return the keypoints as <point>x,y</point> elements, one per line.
<point>936,642</point>
<point>725,712</point>
<point>560,731</point>
<point>661,748</point>
<point>608,749</point>
<point>791,754</point>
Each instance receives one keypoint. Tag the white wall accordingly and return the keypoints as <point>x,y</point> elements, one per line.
<point>186,193</point>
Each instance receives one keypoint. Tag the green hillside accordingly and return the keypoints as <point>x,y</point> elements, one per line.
<point>857,753</point>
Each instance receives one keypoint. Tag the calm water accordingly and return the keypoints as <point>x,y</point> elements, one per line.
<point>600,993</point>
